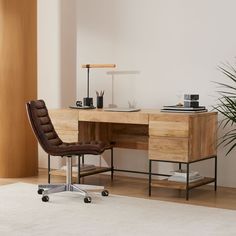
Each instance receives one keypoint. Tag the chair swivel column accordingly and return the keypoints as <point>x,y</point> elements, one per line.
<point>68,172</point>
<point>49,169</point>
<point>112,164</point>
<point>78,175</point>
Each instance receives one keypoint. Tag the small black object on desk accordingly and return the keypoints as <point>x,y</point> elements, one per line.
<point>100,99</point>
<point>191,100</point>
<point>79,105</point>
<point>88,102</point>
<point>191,104</point>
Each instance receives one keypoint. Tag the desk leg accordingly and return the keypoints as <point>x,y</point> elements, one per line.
<point>78,177</point>
<point>150,178</point>
<point>187,183</point>
<point>179,166</point>
<point>112,164</point>
<point>82,159</point>
<point>215,173</point>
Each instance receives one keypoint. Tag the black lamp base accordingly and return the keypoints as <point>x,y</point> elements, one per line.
<point>88,102</point>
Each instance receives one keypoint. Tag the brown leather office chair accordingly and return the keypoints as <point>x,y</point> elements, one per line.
<point>54,146</point>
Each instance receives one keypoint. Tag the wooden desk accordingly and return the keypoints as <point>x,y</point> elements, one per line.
<point>166,136</point>
<point>170,137</point>
<point>182,138</point>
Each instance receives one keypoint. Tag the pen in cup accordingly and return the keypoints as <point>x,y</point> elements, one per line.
<point>100,94</point>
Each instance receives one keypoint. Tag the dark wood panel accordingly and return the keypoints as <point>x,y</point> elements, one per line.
<point>124,135</point>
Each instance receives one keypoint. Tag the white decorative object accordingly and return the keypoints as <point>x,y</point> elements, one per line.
<point>112,73</point>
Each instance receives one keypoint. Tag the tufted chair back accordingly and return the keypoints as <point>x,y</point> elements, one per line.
<point>42,125</point>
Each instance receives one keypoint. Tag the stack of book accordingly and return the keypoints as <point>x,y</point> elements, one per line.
<point>83,167</point>
<point>181,176</point>
<point>183,109</point>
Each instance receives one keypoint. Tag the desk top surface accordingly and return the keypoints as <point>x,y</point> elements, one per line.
<point>144,111</point>
<point>139,117</point>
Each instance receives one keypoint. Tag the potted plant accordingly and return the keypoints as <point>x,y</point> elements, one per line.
<point>227,107</point>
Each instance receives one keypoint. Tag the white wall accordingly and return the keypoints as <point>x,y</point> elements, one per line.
<point>49,52</point>
<point>175,45</point>
<point>95,42</point>
<point>56,57</point>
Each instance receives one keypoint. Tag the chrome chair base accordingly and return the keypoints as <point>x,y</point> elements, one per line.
<point>46,189</point>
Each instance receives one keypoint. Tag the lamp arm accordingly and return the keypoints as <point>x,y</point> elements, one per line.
<point>88,82</point>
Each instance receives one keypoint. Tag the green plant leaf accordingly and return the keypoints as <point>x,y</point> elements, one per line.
<point>227,106</point>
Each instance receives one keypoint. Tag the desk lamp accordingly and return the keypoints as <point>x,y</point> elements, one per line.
<point>88,101</point>
<point>113,73</point>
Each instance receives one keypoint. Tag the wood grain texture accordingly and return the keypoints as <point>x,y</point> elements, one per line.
<point>131,136</point>
<point>182,138</point>
<point>98,66</point>
<point>179,185</point>
<point>113,117</point>
<point>172,137</point>
<point>18,84</point>
<point>168,126</point>
<point>123,135</point>
<point>167,136</point>
<point>65,122</point>
<point>87,132</point>
<point>169,149</point>
<point>203,136</point>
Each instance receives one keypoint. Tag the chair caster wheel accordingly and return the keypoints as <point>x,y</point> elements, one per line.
<point>87,199</point>
<point>45,198</point>
<point>105,193</point>
<point>40,191</point>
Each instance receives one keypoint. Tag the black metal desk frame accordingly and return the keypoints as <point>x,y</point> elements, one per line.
<point>188,187</point>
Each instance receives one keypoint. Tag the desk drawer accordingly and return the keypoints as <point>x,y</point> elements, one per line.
<point>113,117</point>
<point>169,126</point>
<point>169,149</point>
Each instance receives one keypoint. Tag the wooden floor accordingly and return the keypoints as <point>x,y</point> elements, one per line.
<point>204,196</point>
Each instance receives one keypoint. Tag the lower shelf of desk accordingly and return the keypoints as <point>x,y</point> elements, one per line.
<point>82,173</point>
<point>165,183</point>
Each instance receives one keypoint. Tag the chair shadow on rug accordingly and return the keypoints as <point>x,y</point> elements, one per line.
<point>54,146</point>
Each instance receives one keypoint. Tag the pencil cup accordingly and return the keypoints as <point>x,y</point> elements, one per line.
<point>99,101</point>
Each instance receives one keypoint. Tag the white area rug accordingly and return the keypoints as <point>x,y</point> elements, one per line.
<point>23,213</point>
